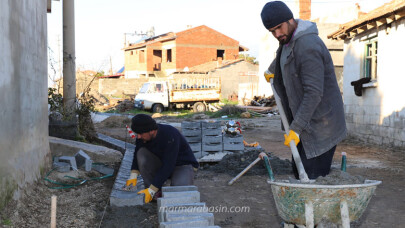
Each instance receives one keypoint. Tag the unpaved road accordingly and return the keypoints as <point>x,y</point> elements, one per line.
<point>85,206</point>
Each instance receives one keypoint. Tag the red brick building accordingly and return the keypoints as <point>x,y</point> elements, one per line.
<point>161,55</point>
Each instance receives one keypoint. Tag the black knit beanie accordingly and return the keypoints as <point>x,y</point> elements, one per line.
<point>275,13</point>
<point>142,123</point>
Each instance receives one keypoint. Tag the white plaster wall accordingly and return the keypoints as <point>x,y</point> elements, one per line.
<point>379,115</point>
<point>24,145</point>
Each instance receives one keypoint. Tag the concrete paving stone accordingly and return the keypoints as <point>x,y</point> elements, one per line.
<point>214,147</point>
<point>162,202</point>
<point>179,188</point>
<point>208,139</point>
<point>183,208</point>
<point>217,132</point>
<point>195,147</point>
<point>181,194</point>
<point>184,223</point>
<point>234,146</point>
<point>62,167</point>
<point>191,125</point>
<point>208,227</point>
<point>82,159</point>
<point>170,217</point>
<point>193,139</point>
<point>103,169</point>
<point>191,132</point>
<point>69,159</point>
<point>210,125</point>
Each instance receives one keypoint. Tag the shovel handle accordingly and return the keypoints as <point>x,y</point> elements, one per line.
<point>244,171</point>
<point>300,167</point>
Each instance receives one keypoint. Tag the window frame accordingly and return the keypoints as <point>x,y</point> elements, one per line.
<point>370,59</point>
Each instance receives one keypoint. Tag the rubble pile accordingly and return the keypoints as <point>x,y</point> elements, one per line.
<point>263,101</point>
<point>235,163</point>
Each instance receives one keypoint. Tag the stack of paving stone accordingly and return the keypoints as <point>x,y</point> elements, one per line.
<point>180,206</point>
<point>233,143</point>
<point>211,137</point>
<point>192,133</point>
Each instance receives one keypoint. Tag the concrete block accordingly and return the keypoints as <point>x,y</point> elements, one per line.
<point>191,132</point>
<point>211,125</point>
<point>212,147</point>
<point>216,132</point>
<point>190,125</point>
<point>62,167</point>
<point>170,217</point>
<point>181,208</point>
<point>69,159</point>
<point>215,139</point>
<point>232,139</point>
<point>234,146</point>
<point>103,169</point>
<point>162,202</point>
<point>197,155</point>
<point>82,159</point>
<point>120,198</point>
<point>195,147</point>
<point>179,188</point>
<point>181,194</point>
<point>193,139</point>
<point>185,223</point>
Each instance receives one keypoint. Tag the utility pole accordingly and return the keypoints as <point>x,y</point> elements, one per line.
<point>69,58</point>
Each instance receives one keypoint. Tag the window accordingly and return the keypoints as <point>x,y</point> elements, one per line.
<point>370,59</point>
<point>169,55</point>
<point>220,53</point>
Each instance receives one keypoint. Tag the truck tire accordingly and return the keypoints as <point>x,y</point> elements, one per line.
<point>199,107</point>
<point>158,108</point>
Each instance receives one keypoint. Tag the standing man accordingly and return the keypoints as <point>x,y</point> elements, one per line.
<point>305,80</point>
<point>161,153</point>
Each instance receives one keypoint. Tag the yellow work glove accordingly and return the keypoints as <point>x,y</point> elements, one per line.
<point>149,193</point>
<point>268,75</point>
<point>291,136</point>
<point>133,178</point>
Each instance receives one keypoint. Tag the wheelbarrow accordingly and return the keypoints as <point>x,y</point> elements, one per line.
<point>304,203</point>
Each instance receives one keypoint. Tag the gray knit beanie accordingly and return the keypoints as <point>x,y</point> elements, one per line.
<point>275,13</point>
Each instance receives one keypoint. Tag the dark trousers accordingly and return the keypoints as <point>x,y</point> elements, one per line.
<point>315,167</point>
<point>149,164</point>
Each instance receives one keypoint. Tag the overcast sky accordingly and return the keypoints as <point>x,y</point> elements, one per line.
<point>100,24</point>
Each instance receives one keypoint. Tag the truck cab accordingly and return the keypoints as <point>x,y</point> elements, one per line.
<point>153,95</point>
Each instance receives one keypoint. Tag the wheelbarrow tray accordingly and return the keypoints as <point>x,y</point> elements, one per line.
<point>290,199</point>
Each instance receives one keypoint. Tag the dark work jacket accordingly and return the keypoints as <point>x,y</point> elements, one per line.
<point>171,148</point>
<point>309,91</point>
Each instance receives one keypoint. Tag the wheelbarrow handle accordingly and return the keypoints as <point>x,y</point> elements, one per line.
<point>300,167</point>
<point>268,167</point>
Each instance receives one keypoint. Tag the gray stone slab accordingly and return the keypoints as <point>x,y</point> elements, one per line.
<point>184,223</point>
<point>191,132</point>
<point>233,139</point>
<point>212,147</point>
<point>212,139</point>
<point>234,146</point>
<point>211,132</point>
<point>195,147</point>
<point>181,194</point>
<point>162,202</point>
<point>82,159</point>
<point>179,188</point>
<point>211,125</point>
<point>193,139</point>
<point>170,217</point>
<point>103,169</point>
<point>62,167</point>
<point>69,159</point>
<point>181,208</point>
<point>190,125</point>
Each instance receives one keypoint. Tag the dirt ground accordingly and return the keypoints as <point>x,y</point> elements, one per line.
<point>87,205</point>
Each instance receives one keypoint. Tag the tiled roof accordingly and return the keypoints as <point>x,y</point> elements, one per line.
<point>384,14</point>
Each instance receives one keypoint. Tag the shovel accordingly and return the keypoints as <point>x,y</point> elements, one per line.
<point>300,167</point>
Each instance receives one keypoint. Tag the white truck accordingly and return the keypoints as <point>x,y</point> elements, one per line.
<point>179,92</point>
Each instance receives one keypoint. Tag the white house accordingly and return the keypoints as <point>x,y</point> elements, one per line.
<point>373,48</point>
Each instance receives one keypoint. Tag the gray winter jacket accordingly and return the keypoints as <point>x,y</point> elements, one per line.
<point>307,86</point>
